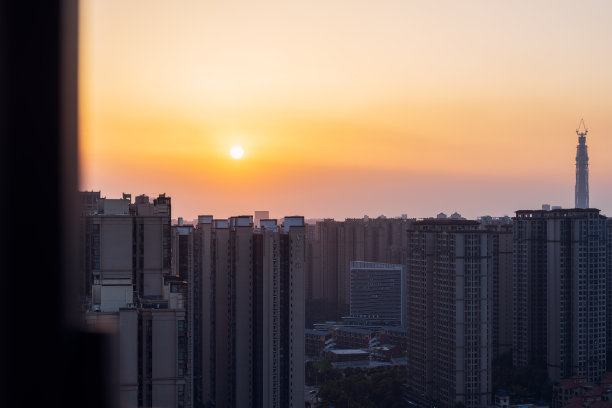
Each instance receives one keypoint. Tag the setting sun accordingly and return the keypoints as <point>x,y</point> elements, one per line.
<point>236,152</point>
<point>368,128</point>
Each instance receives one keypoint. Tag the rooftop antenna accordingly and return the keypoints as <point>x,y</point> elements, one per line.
<point>582,129</point>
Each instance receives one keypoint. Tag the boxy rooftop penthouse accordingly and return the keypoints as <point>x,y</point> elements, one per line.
<point>247,221</point>
<point>123,206</point>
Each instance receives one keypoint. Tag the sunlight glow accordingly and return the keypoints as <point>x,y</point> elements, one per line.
<point>236,152</point>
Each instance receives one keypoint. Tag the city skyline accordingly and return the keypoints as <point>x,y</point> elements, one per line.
<point>349,109</point>
<point>325,110</point>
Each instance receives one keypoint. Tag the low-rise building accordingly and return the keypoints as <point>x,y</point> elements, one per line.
<point>387,352</point>
<point>353,338</point>
<point>577,392</point>
<point>315,341</point>
<point>347,355</point>
<point>397,336</point>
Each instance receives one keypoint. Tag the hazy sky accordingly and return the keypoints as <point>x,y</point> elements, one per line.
<point>346,108</point>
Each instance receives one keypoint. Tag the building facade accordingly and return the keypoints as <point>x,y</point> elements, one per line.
<point>315,342</point>
<point>252,283</point>
<point>152,368</point>
<point>560,291</point>
<point>449,312</point>
<point>378,294</point>
<point>609,294</point>
<point>131,292</point>
<point>529,291</point>
<point>127,251</point>
<point>501,247</point>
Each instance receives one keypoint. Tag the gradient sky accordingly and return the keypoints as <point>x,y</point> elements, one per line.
<point>345,108</point>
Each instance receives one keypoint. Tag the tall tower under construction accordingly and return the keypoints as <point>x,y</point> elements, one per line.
<point>582,168</point>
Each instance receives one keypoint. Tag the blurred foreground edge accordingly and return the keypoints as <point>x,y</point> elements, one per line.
<point>45,357</point>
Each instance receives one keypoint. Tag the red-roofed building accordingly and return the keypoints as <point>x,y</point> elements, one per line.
<point>592,394</point>
<point>575,402</point>
<point>600,404</point>
<point>576,392</point>
<point>567,389</point>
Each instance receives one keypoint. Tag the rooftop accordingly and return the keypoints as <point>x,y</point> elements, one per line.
<point>359,364</point>
<point>316,332</point>
<point>594,392</point>
<point>348,351</point>
<point>354,330</point>
<point>397,329</point>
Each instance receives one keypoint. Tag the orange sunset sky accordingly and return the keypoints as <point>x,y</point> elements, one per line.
<point>345,108</point>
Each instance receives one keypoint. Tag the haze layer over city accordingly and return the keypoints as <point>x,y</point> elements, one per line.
<point>347,108</point>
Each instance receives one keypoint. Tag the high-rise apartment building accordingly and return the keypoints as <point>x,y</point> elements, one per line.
<point>609,294</point>
<point>582,168</point>
<point>152,363</point>
<point>372,240</point>
<point>203,344</point>
<point>351,246</point>
<point>183,271</point>
<point>126,251</point>
<point>130,291</point>
<point>529,291</point>
<point>324,262</point>
<point>335,244</point>
<point>501,246</point>
<point>449,312</point>
<point>252,283</point>
<point>559,290</point>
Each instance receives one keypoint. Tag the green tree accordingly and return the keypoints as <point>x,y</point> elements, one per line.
<point>357,388</point>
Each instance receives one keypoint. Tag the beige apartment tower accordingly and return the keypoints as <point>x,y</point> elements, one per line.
<point>131,292</point>
<point>253,314</point>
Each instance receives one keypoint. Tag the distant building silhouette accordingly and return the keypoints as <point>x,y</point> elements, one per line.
<point>582,168</point>
<point>333,245</point>
<point>323,264</point>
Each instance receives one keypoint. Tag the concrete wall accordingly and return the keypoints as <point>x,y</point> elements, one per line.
<point>116,247</point>
<point>113,297</point>
<point>128,357</point>
<point>153,262</point>
<point>164,376</point>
